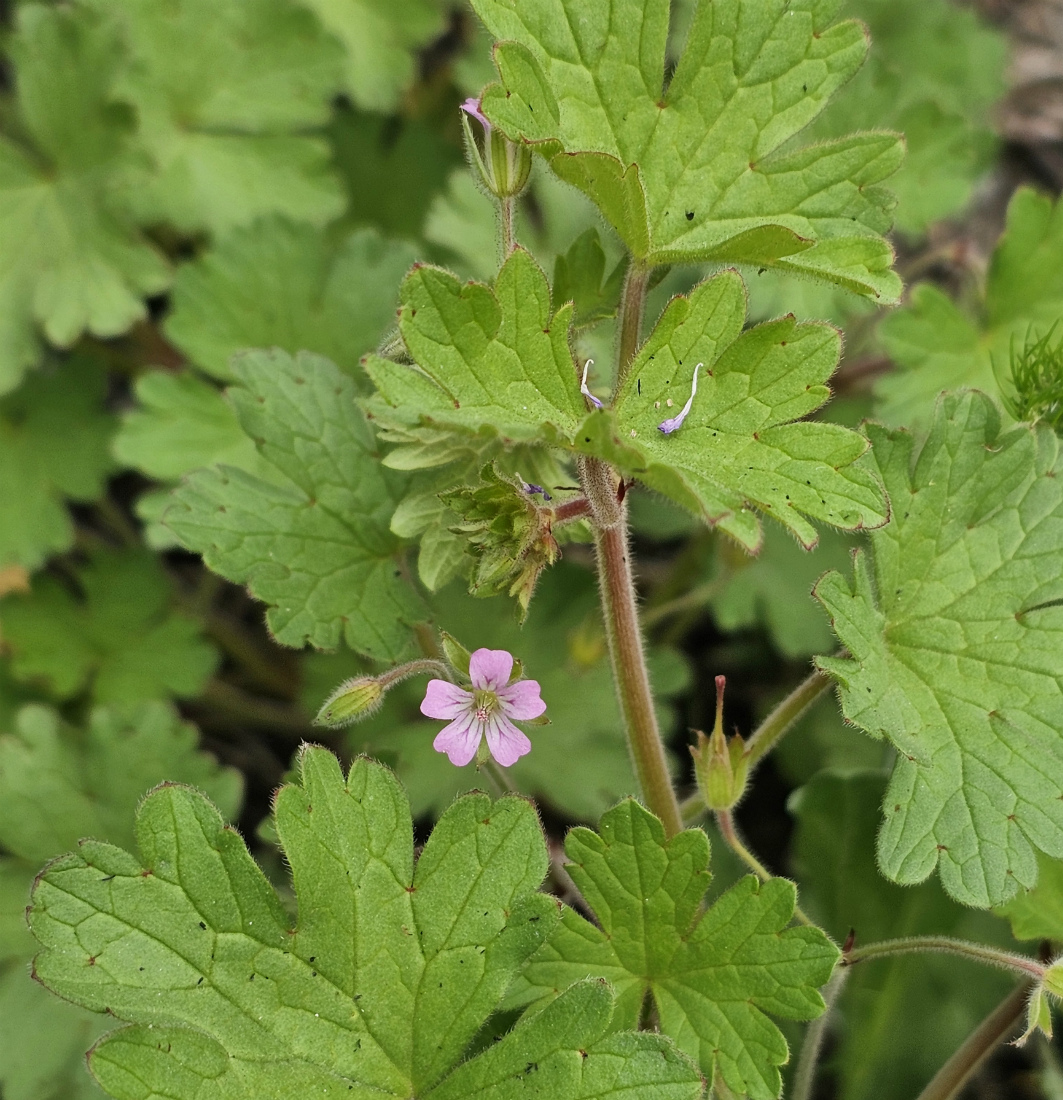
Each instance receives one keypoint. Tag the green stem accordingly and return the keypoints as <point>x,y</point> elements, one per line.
<point>725,821</point>
<point>805,1074</point>
<point>506,214</point>
<point>632,307</point>
<point>978,952</point>
<point>949,1081</point>
<point>616,585</point>
<point>782,718</point>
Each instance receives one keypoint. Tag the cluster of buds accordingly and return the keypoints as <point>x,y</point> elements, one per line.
<point>510,536</point>
<point>502,165</point>
<point>721,764</point>
<point>1038,1008</point>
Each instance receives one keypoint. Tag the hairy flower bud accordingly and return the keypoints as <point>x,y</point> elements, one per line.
<point>352,701</point>
<point>502,165</point>
<point>720,764</point>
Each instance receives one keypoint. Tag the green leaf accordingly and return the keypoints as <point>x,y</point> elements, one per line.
<point>738,449</point>
<point>956,636</point>
<point>775,588</point>
<point>464,221</point>
<point>70,260</point>
<point>119,638</point>
<point>314,544</point>
<point>702,170</point>
<point>886,1050</point>
<point>56,785</point>
<point>381,39</point>
<point>1037,914</point>
<point>938,345</point>
<point>54,435</point>
<point>580,277</point>
<point>225,95</point>
<point>287,285</point>
<point>712,975</point>
<point>493,359</point>
<point>379,988</point>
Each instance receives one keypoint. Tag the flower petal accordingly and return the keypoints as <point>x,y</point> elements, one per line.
<point>445,700</point>
<point>490,669</point>
<point>459,739</point>
<point>521,700</point>
<point>506,742</point>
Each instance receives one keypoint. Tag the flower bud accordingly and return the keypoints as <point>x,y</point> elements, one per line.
<point>502,165</point>
<point>352,701</point>
<point>1053,979</point>
<point>456,654</point>
<point>1038,1016</point>
<point>720,765</point>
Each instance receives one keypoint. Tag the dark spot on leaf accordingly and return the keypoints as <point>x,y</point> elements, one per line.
<point>203,926</point>
<point>690,215</point>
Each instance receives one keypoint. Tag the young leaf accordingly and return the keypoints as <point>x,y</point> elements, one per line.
<point>224,94</point>
<point>70,262</point>
<point>492,358</point>
<point>379,988</point>
<point>283,284</point>
<point>314,543</point>
<point>937,345</point>
<point>955,627</point>
<point>737,449</point>
<point>56,786</point>
<point>54,434</point>
<point>712,975</point>
<point>120,639</point>
<point>381,43</point>
<point>886,1049</point>
<point>696,171</point>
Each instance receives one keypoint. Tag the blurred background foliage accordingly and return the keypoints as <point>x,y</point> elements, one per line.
<point>182,179</point>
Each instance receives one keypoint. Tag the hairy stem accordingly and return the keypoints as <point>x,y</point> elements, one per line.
<point>572,510</point>
<point>768,734</point>
<point>725,820</point>
<point>805,1074</point>
<point>977,952</point>
<point>506,215</point>
<point>949,1081</point>
<point>632,307</point>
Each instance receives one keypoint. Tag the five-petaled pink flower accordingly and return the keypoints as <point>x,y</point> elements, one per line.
<point>485,711</point>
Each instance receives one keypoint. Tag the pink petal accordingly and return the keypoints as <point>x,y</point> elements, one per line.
<point>490,669</point>
<point>444,700</point>
<point>506,742</point>
<point>460,739</point>
<point>521,700</point>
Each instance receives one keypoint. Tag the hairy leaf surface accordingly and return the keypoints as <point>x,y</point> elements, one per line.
<point>955,626</point>
<point>701,169</point>
<point>377,989</point>
<point>713,976</point>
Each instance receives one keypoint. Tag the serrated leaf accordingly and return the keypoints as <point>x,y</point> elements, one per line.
<point>282,284</point>
<point>381,39</point>
<point>956,639</point>
<point>54,435</point>
<point>701,170</point>
<point>56,785</point>
<point>70,260</point>
<point>314,544</point>
<point>775,589</point>
<point>379,995</point>
<point>712,975</point>
<point>493,359</point>
<point>938,345</point>
<point>738,449</point>
<point>885,1048</point>
<point>225,95</point>
<point>118,638</point>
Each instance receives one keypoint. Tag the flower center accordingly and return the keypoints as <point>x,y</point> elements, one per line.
<point>486,702</point>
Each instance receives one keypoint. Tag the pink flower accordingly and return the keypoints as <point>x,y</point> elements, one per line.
<point>485,711</point>
<point>471,107</point>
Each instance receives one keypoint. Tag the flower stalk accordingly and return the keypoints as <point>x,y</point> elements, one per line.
<point>946,945</point>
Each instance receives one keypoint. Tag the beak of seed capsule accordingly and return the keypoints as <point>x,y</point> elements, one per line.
<point>666,427</point>
<point>583,386</point>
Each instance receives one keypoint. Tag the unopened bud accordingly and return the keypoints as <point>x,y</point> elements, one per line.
<point>352,701</point>
<point>721,766</point>
<point>456,654</point>
<point>502,165</point>
<point>1053,979</point>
